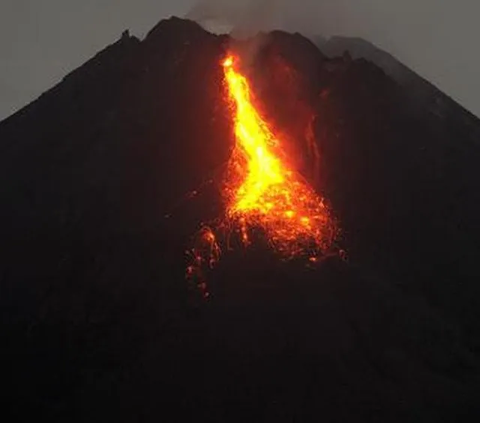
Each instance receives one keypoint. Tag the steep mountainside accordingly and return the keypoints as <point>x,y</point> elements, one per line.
<point>422,93</point>
<point>106,178</point>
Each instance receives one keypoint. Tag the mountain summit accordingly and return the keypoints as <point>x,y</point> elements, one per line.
<point>107,178</point>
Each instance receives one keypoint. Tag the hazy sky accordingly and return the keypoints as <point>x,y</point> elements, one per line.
<point>41,41</point>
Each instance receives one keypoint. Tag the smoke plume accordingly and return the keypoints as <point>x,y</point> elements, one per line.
<point>241,18</point>
<point>315,17</point>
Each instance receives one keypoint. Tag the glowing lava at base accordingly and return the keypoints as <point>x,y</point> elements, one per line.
<point>262,191</point>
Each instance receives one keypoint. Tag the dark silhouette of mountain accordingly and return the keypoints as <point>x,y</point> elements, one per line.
<point>423,94</point>
<point>106,178</point>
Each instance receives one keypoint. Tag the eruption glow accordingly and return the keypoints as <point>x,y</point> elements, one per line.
<point>262,193</point>
<point>262,190</point>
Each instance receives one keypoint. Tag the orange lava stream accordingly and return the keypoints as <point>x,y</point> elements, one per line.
<point>262,190</point>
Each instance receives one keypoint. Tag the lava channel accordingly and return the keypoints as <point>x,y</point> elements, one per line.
<point>262,191</point>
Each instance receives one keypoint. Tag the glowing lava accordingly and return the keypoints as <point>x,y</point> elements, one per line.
<point>262,190</point>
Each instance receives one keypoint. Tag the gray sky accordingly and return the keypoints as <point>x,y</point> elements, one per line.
<point>41,41</point>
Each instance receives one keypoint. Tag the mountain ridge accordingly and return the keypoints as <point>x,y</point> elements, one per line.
<point>106,179</point>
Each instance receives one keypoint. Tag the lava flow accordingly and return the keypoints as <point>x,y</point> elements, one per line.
<point>262,192</point>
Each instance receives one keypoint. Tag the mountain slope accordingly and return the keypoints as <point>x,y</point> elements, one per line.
<point>423,94</point>
<point>106,178</point>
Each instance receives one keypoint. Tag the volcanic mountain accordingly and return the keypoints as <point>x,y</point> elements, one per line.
<point>107,179</point>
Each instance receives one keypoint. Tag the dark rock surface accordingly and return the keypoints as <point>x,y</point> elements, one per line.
<point>105,179</point>
<point>422,94</point>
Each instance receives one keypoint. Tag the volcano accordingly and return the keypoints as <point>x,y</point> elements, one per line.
<point>135,163</point>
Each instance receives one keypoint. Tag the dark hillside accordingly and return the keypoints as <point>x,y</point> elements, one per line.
<point>105,180</point>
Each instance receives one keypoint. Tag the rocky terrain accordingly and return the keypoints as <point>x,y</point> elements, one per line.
<point>106,178</point>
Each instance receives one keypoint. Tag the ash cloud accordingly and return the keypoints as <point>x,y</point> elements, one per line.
<point>244,18</point>
<point>241,18</point>
<point>253,19</point>
<point>378,21</point>
<point>316,19</point>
